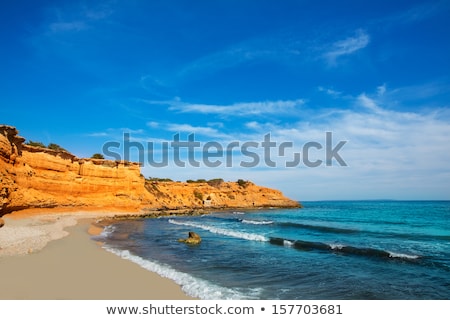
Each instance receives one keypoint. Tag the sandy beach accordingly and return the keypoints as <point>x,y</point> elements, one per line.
<point>53,257</point>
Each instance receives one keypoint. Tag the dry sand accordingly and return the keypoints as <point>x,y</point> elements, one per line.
<point>73,267</point>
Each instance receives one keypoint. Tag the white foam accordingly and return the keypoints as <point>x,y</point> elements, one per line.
<point>288,243</point>
<point>108,230</point>
<point>238,212</point>
<point>191,285</point>
<point>402,255</point>
<point>256,222</point>
<point>336,246</point>
<point>225,232</point>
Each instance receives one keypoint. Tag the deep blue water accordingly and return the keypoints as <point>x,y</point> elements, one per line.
<point>326,250</point>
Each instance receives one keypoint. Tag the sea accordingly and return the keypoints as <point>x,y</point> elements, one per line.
<point>344,250</point>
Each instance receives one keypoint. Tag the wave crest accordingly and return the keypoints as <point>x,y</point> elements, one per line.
<point>191,285</point>
<point>256,222</point>
<point>225,232</point>
<point>338,248</point>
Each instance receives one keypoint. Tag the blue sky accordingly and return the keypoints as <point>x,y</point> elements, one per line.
<point>375,74</point>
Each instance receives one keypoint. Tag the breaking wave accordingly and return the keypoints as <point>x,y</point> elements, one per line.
<point>222,231</point>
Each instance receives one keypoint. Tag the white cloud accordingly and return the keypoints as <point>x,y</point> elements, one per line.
<point>279,47</point>
<point>381,89</point>
<point>347,46</point>
<point>116,133</point>
<point>74,18</point>
<point>216,61</point>
<point>417,92</point>
<point>368,103</point>
<point>216,124</point>
<point>186,128</point>
<point>329,91</point>
<point>99,13</point>
<point>236,109</point>
<point>253,125</point>
<point>98,134</point>
<point>415,14</point>
<point>390,153</point>
<point>73,26</point>
<point>153,124</point>
<point>192,129</point>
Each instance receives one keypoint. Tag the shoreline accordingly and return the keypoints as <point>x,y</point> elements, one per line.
<point>35,266</point>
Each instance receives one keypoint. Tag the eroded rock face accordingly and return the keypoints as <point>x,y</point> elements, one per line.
<point>34,177</point>
<point>10,144</point>
<point>2,222</point>
<point>180,195</point>
<point>193,238</point>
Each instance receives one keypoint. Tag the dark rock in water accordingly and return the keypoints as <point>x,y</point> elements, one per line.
<point>192,239</point>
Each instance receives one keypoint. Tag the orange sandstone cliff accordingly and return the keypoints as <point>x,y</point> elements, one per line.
<point>34,177</point>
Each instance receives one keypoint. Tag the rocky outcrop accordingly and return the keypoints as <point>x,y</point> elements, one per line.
<point>2,222</point>
<point>35,177</point>
<point>179,195</point>
<point>193,238</point>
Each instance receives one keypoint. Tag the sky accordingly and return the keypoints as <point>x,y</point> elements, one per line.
<point>357,91</point>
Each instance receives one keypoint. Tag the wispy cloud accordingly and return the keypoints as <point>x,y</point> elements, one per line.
<point>415,13</point>
<point>346,46</point>
<point>102,11</point>
<point>280,48</point>
<point>425,91</point>
<point>73,26</point>
<point>98,134</point>
<point>368,103</point>
<point>391,151</point>
<point>381,90</point>
<point>388,151</point>
<point>330,91</point>
<point>237,109</point>
<point>187,128</point>
<point>212,130</point>
<point>227,58</point>
<point>153,124</point>
<point>253,125</point>
<point>76,18</point>
<point>115,133</point>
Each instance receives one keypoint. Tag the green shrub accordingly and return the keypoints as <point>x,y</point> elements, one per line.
<point>196,181</point>
<point>242,183</point>
<point>36,144</point>
<point>215,182</point>
<point>97,156</point>
<point>198,195</point>
<point>159,179</point>
<point>56,147</point>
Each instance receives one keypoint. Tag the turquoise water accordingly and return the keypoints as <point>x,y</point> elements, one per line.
<point>327,250</point>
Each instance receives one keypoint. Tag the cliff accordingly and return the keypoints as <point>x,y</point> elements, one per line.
<point>179,195</point>
<point>35,177</point>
